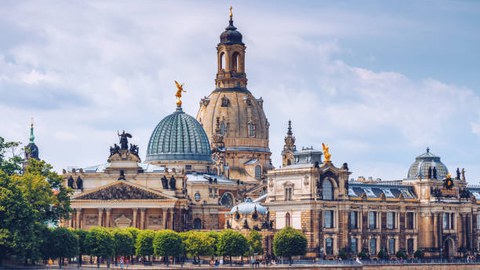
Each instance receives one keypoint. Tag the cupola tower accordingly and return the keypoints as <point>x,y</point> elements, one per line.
<point>238,114</point>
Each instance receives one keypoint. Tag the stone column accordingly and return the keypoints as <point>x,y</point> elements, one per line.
<point>164,218</point>
<point>142,218</point>
<point>135,210</point>
<point>171,219</point>
<point>78,212</point>
<point>107,219</point>
<point>100,216</point>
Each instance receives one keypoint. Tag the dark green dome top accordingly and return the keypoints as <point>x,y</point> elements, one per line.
<point>178,137</point>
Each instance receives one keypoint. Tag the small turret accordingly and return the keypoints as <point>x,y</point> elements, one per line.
<point>289,147</point>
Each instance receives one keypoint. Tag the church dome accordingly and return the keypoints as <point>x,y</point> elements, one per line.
<point>420,168</point>
<point>248,207</point>
<point>231,35</point>
<point>178,137</point>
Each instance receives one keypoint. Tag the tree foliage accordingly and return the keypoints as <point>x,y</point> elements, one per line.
<point>199,243</point>
<point>144,243</point>
<point>124,244</point>
<point>64,243</point>
<point>168,243</point>
<point>29,201</point>
<point>254,240</point>
<point>289,242</point>
<point>100,242</point>
<point>231,243</point>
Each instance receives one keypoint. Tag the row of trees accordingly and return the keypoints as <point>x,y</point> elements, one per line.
<point>31,198</point>
<point>106,244</point>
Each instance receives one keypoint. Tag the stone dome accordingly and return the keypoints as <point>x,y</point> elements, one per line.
<point>178,137</point>
<point>231,35</point>
<point>422,163</point>
<point>248,207</point>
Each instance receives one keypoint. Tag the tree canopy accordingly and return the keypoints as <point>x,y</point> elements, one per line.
<point>289,242</point>
<point>167,243</point>
<point>231,243</point>
<point>144,243</point>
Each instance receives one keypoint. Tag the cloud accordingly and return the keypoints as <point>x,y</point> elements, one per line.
<point>87,69</point>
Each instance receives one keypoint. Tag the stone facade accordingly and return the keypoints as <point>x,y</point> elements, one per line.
<point>437,216</point>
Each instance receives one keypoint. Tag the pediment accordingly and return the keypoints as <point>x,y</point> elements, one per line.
<point>122,190</point>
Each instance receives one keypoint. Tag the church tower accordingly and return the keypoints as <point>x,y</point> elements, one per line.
<point>241,118</point>
<point>289,147</point>
<point>31,150</point>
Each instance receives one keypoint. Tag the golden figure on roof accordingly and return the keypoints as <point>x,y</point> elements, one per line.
<point>179,93</point>
<point>326,152</point>
<point>231,12</point>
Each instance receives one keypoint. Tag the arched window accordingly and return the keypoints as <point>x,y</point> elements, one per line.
<point>222,60</point>
<point>227,200</point>
<point>197,224</point>
<point>258,172</point>
<point>235,60</point>
<point>251,129</point>
<point>223,128</point>
<point>327,190</point>
<point>287,220</point>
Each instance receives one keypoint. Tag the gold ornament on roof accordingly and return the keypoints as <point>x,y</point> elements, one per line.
<point>326,152</point>
<point>231,12</point>
<point>179,93</point>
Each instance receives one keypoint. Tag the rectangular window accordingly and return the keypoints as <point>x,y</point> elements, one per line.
<point>372,220</point>
<point>373,246</point>
<point>353,246</point>
<point>410,246</point>
<point>354,220</point>
<point>329,246</point>
<point>288,194</point>
<point>448,221</point>
<point>328,219</point>
<point>410,220</point>
<point>452,220</point>
<point>391,246</point>
<point>390,220</point>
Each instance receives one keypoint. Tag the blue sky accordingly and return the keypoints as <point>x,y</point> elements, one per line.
<point>379,81</point>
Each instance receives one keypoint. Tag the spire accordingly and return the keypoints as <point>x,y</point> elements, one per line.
<point>230,22</point>
<point>32,137</point>
<point>289,132</point>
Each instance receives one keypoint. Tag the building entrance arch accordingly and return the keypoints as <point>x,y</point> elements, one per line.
<point>448,248</point>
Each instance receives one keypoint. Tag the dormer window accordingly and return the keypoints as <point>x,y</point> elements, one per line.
<point>225,101</point>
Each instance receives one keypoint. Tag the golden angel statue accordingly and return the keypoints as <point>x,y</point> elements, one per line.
<point>326,152</point>
<point>179,93</point>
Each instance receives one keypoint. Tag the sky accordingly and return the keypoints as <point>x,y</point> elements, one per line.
<point>379,81</point>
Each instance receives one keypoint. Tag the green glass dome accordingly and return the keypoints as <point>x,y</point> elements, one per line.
<point>178,137</point>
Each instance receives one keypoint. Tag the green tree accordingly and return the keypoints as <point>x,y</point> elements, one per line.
<point>231,243</point>
<point>144,243</point>
<point>17,226</point>
<point>64,244</point>
<point>11,164</point>
<point>254,240</point>
<point>124,244</point>
<point>134,232</point>
<point>100,243</point>
<point>82,244</point>
<point>198,244</point>
<point>289,242</point>
<point>168,243</point>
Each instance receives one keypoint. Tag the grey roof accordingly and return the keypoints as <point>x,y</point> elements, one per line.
<point>376,190</point>
<point>248,207</point>
<point>419,168</point>
<point>178,136</point>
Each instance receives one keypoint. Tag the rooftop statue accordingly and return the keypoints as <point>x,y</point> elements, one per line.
<point>124,140</point>
<point>326,152</point>
<point>179,93</point>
